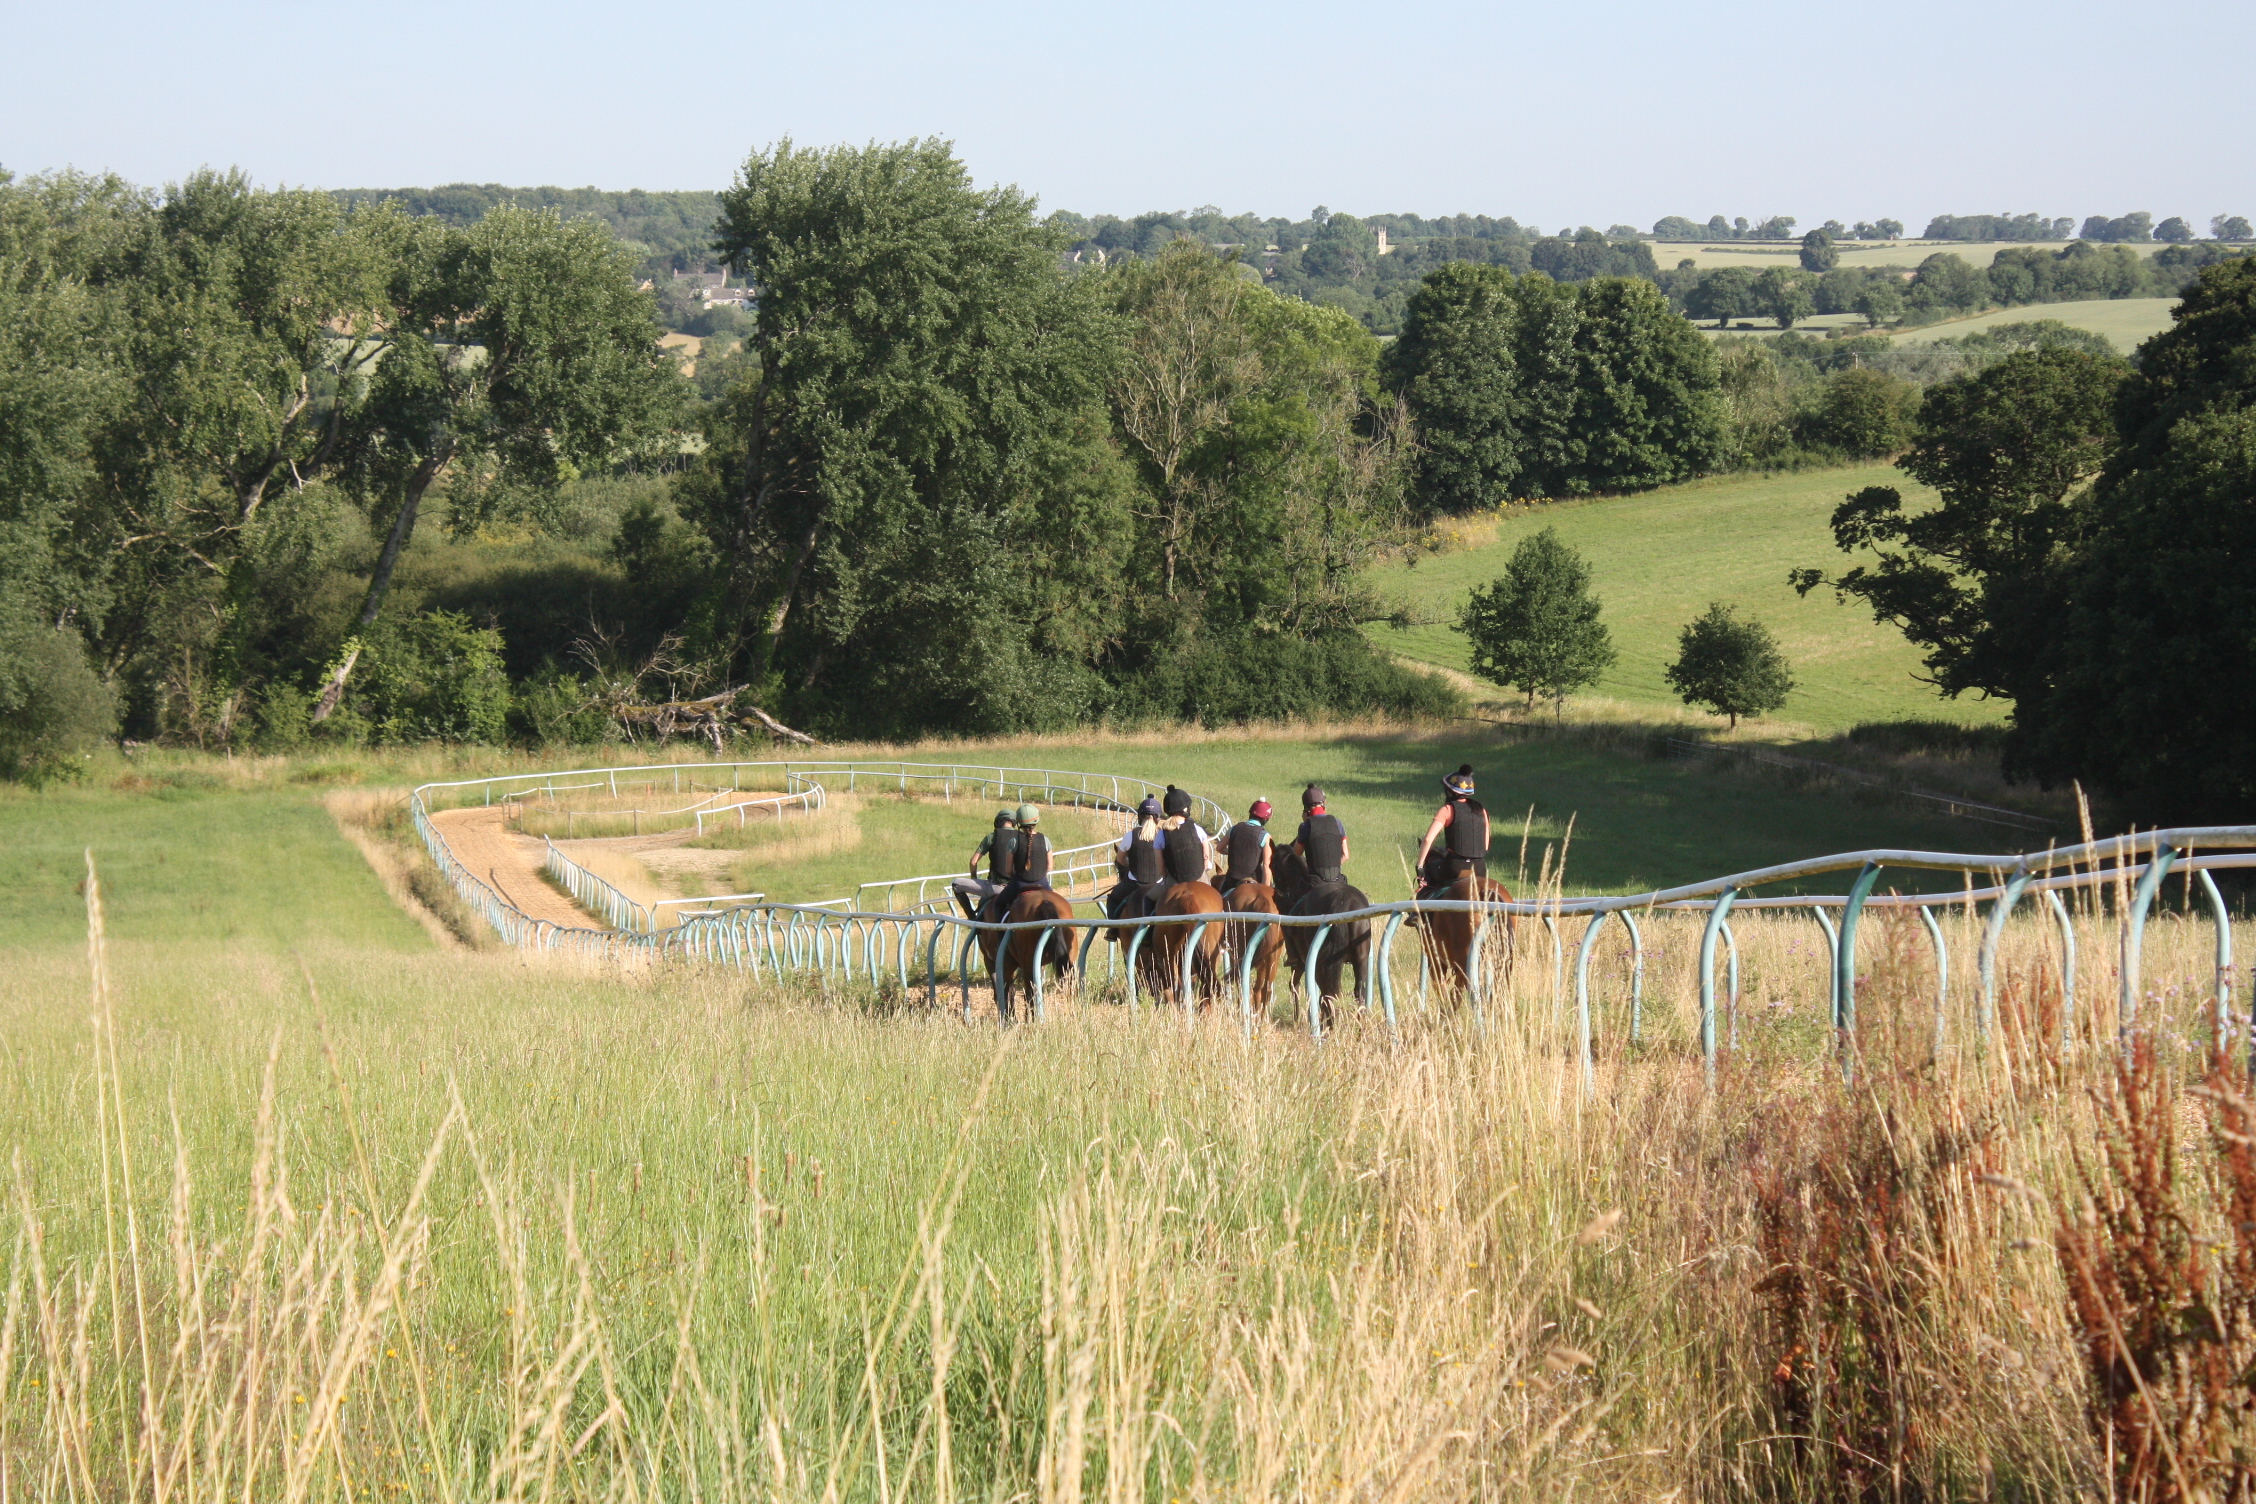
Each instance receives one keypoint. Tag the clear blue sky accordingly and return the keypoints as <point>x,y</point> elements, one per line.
<point>1560,113</point>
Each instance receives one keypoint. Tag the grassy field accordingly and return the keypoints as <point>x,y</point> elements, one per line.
<point>1660,558</point>
<point>2126,321</point>
<point>312,1214</point>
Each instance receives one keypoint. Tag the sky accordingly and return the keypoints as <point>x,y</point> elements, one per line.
<point>1560,114</point>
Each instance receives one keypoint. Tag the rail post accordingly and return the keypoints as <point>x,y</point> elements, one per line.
<point>2067,965</point>
<point>1582,995</point>
<point>1942,973</point>
<point>1386,965</point>
<point>2134,938</point>
<point>1190,954</point>
<point>1315,994</point>
<point>1986,958</point>
<point>1716,912</point>
<point>2221,1016</point>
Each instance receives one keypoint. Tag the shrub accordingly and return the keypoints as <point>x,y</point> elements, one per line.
<point>1250,677</point>
<point>1861,413</point>
<point>433,677</point>
<point>53,706</point>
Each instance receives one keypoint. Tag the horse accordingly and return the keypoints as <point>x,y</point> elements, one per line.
<point>1161,959</point>
<point>1346,945</point>
<point>1256,898</point>
<point>1448,936</point>
<point>1017,961</point>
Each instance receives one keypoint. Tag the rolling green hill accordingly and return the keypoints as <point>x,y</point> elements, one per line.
<point>2126,321</point>
<point>1660,558</point>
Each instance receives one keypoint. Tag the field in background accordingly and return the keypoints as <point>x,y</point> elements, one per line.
<point>1658,559</point>
<point>2126,321</point>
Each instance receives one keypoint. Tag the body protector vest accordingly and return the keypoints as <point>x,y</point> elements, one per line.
<point>1323,844</point>
<point>1034,861</point>
<point>1144,866</point>
<point>1002,857</point>
<point>1468,831</point>
<point>1245,843</point>
<point>1186,853</point>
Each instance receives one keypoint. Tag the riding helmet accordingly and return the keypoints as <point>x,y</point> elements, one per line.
<point>1260,810</point>
<point>1028,814</point>
<point>1311,797</point>
<point>1459,783</point>
<point>1178,802</point>
<point>1003,817</point>
<point>1148,810</point>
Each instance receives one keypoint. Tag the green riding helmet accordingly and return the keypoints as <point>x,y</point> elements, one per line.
<point>1003,817</point>
<point>1028,814</point>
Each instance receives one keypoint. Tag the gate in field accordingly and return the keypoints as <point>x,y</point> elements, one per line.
<point>898,927</point>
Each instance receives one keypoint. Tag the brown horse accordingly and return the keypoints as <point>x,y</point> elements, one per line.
<point>1345,945</point>
<point>1018,960</point>
<point>1448,937</point>
<point>1161,960</point>
<point>1255,898</point>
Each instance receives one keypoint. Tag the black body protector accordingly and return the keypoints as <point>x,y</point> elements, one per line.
<point>1243,846</point>
<point>1002,856</point>
<point>1323,845</point>
<point>1464,846</point>
<point>1147,875</point>
<point>1032,871</point>
<point>1186,854</point>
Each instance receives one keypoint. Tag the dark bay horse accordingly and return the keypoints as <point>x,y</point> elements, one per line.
<point>1255,898</point>
<point>1345,945</point>
<point>1017,961</point>
<point>1160,962</point>
<point>1448,937</point>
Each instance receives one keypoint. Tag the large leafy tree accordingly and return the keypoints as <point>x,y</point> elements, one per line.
<point>1521,386</point>
<point>912,465</point>
<point>1271,463</point>
<point>1729,665</point>
<point>2147,650</point>
<point>517,350</point>
<point>2009,449</point>
<point>1536,627</point>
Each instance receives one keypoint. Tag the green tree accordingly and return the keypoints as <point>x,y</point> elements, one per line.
<point>1724,294</point>
<point>2008,448</point>
<point>1880,300</point>
<point>1529,387</point>
<point>2231,227</point>
<point>2147,656</point>
<point>1861,413</point>
<point>1454,363</point>
<point>517,351</point>
<point>1729,666</point>
<point>1784,296</point>
<point>914,479</point>
<point>1819,254</point>
<point>2174,230</point>
<point>1536,627</point>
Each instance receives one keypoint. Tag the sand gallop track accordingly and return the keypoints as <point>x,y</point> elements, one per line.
<point>510,862</point>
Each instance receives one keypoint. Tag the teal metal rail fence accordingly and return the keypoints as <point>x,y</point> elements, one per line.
<point>779,940</point>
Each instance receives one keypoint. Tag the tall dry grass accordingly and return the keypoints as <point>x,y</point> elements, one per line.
<point>557,1234</point>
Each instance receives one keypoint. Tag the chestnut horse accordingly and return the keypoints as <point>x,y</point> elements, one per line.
<point>1255,898</point>
<point>1448,937</point>
<point>1161,960</point>
<point>1017,962</point>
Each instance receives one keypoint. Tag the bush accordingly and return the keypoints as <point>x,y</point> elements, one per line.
<point>433,677</point>
<point>1860,413</point>
<point>557,708</point>
<point>1230,681</point>
<point>53,707</point>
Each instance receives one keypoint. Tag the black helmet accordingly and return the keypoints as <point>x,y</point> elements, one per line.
<point>1459,785</point>
<point>1311,797</point>
<point>1178,802</point>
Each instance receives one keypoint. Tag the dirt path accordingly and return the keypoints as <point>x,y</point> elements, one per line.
<point>482,843</point>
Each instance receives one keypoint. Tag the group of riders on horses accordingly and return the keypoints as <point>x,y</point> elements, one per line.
<point>1166,846</point>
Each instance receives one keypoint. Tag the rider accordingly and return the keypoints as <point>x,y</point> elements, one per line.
<point>1248,850</point>
<point>999,848</point>
<point>1141,861</point>
<point>1466,849</point>
<point>1188,844</point>
<point>1033,865</point>
<point>1322,840</point>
